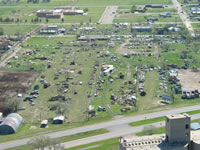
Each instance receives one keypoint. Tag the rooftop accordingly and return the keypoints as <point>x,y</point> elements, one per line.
<point>154,142</point>
<point>177,116</point>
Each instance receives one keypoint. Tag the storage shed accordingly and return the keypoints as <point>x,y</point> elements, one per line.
<point>11,123</point>
<point>59,119</point>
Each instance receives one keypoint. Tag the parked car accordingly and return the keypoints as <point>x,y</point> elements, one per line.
<point>101,108</point>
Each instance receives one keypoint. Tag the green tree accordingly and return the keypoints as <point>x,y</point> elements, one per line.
<point>133,8</point>
<point>1,31</point>
<point>62,20</point>
<point>85,10</point>
<point>9,105</point>
<point>150,130</point>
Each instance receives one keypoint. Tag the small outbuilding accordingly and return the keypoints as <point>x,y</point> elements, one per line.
<point>44,124</point>
<point>11,124</point>
<point>59,119</point>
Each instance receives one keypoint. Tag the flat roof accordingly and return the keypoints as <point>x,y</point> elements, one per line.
<point>177,116</point>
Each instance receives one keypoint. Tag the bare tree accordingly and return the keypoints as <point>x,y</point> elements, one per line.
<point>61,108</point>
<point>43,142</point>
<point>9,105</point>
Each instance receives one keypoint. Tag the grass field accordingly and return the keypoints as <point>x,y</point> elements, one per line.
<point>151,87</point>
<point>135,18</point>
<point>196,27</point>
<point>67,138</point>
<point>17,29</point>
<point>158,130</point>
<point>29,13</point>
<point>52,3</point>
<point>110,144</point>
<point>119,2</point>
<point>158,119</point>
<point>25,131</point>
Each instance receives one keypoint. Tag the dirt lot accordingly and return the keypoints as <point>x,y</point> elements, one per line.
<point>12,83</point>
<point>189,80</point>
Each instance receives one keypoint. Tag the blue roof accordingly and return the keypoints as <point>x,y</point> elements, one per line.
<point>195,126</point>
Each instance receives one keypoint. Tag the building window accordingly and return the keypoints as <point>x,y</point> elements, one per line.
<point>187,126</point>
<point>167,138</point>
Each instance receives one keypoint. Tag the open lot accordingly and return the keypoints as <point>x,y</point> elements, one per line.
<point>16,29</point>
<point>13,83</point>
<point>189,80</point>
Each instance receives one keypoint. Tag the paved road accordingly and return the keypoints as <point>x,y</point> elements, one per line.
<point>183,16</point>
<point>114,134</point>
<point>118,123</point>
<point>108,15</point>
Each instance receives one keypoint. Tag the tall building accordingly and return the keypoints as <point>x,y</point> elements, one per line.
<point>177,128</point>
<point>177,137</point>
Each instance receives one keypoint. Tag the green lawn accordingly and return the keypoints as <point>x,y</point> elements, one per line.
<point>147,121</point>
<point>196,27</point>
<point>110,144</point>
<point>17,29</point>
<point>67,138</point>
<point>29,13</point>
<point>134,18</point>
<point>119,2</point>
<point>51,3</point>
<point>157,130</point>
<point>158,119</point>
<point>25,131</point>
<point>151,87</point>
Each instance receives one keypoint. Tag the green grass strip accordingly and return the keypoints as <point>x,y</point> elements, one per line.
<point>158,119</point>
<point>67,138</point>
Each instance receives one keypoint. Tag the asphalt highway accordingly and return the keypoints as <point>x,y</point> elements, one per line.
<point>120,125</point>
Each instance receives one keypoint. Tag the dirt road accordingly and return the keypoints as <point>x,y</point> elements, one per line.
<point>183,16</point>
<point>108,15</point>
<point>17,48</point>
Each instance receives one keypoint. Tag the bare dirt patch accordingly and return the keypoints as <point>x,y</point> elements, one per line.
<point>12,83</point>
<point>189,80</point>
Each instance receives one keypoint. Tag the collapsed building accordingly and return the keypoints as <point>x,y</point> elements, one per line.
<point>107,69</point>
<point>178,136</point>
<point>52,29</point>
<point>4,44</point>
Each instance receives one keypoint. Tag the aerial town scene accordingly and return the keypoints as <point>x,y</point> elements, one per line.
<point>99,74</point>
